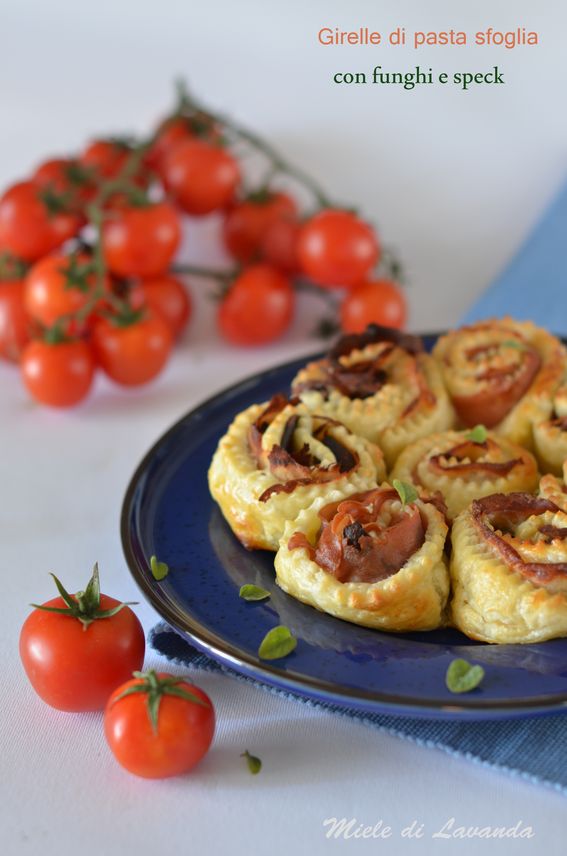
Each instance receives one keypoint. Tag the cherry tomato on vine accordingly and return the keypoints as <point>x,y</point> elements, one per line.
<point>168,298</point>
<point>14,320</point>
<point>141,241</point>
<point>336,248</point>
<point>76,649</point>
<point>59,285</point>
<point>132,352</point>
<point>202,177</point>
<point>179,129</point>
<point>159,725</point>
<point>58,374</point>
<point>106,157</point>
<point>379,301</point>
<point>279,244</point>
<point>248,222</point>
<point>258,307</point>
<point>65,175</point>
<point>33,222</point>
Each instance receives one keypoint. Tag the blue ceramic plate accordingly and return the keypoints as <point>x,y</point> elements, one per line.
<point>168,512</point>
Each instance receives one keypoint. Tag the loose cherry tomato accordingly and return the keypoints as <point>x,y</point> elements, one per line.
<point>58,374</point>
<point>76,656</point>
<point>132,353</point>
<point>247,223</point>
<point>59,285</point>
<point>107,157</point>
<point>159,725</point>
<point>167,297</point>
<point>32,223</point>
<point>258,307</point>
<point>335,248</point>
<point>279,244</point>
<point>141,241</point>
<point>379,301</point>
<point>14,320</point>
<point>202,177</point>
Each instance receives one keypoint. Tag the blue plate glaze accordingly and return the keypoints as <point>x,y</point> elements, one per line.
<point>168,512</point>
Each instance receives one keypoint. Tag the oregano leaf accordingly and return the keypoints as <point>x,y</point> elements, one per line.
<point>254,763</point>
<point>405,491</point>
<point>462,676</point>
<point>159,569</point>
<point>277,643</point>
<point>478,434</point>
<point>252,592</point>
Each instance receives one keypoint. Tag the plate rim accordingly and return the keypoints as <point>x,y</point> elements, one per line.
<point>225,653</point>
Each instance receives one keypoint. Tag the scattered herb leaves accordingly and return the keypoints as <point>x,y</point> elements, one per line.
<point>254,763</point>
<point>277,643</point>
<point>462,677</point>
<point>405,491</point>
<point>252,592</point>
<point>478,434</point>
<point>159,569</point>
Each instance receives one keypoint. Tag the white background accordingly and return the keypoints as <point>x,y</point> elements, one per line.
<point>454,180</point>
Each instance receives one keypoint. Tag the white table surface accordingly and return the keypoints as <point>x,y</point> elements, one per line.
<point>457,198</point>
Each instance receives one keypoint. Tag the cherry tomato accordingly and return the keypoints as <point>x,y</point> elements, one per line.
<point>107,157</point>
<point>202,177</point>
<point>258,307</point>
<point>178,738</point>
<point>170,133</point>
<point>134,353</point>
<point>141,241</point>
<point>335,248</point>
<point>65,175</point>
<point>74,663</point>
<point>14,320</point>
<point>58,285</point>
<point>379,301</point>
<point>60,374</point>
<point>247,223</point>
<point>167,297</point>
<point>28,228</point>
<point>279,244</point>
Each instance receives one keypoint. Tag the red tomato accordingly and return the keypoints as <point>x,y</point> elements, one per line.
<point>201,176</point>
<point>48,290</point>
<point>379,301</point>
<point>65,175</point>
<point>167,297</point>
<point>133,354</point>
<point>75,667</point>
<point>107,157</point>
<point>335,248</point>
<point>14,320</point>
<point>141,241</point>
<point>59,375</point>
<point>27,226</point>
<point>258,307</point>
<point>279,244</point>
<point>178,739</point>
<point>247,223</point>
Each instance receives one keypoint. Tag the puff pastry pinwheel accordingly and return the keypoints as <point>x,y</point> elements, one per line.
<point>382,385</point>
<point>553,488</point>
<point>503,374</point>
<point>276,459</point>
<point>462,468</point>
<point>369,559</point>
<point>550,436</point>
<point>509,569</point>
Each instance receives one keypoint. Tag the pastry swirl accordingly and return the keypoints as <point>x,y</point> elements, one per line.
<point>462,469</point>
<point>382,385</point>
<point>278,458</point>
<point>503,374</point>
<point>550,436</point>
<point>509,569</point>
<point>370,560</point>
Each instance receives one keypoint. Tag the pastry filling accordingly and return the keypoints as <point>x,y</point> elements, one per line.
<point>365,538</point>
<point>470,459</point>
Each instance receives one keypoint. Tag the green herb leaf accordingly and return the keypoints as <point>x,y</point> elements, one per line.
<point>159,569</point>
<point>251,592</point>
<point>406,492</point>
<point>478,434</point>
<point>462,677</point>
<point>278,642</point>
<point>254,763</point>
<point>513,343</point>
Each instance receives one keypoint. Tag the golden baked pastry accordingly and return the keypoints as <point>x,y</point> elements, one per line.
<point>509,569</point>
<point>553,488</point>
<point>276,459</point>
<point>550,436</point>
<point>382,385</point>
<point>466,465</point>
<point>503,374</point>
<point>369,559</point>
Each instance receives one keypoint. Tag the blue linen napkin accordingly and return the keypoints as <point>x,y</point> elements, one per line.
<point>532,287</point>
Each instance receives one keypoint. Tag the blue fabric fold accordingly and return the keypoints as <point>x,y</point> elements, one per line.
<point>532,287</point>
